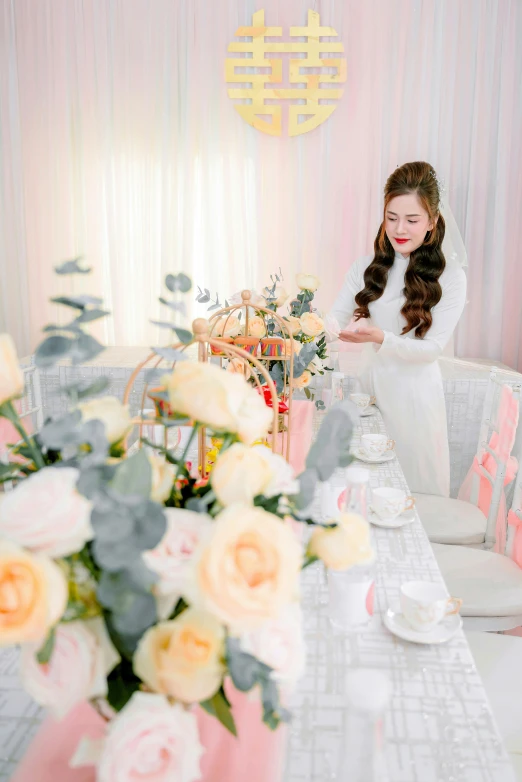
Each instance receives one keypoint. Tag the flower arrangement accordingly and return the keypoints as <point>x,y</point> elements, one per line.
<point>130,582</point>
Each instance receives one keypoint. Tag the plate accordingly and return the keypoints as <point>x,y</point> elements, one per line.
<point>443,632</point>
<point>400,521</point>
<point>370,411</point>
<point>389,456</point>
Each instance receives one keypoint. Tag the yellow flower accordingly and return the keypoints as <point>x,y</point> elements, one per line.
<point>343,546</point>
<point>11,377</point>
<point>183,658</point>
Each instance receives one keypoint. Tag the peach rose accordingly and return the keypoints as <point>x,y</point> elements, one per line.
<point>113,415</point>
<point>248,570</point>
<point>256,327</point>
<point>227,326</point>
<point>45,513</point>
<point>162,478</point>
<point>311,324</point>
<point>11,376</point>
<point>183,658</point>
<point>33,595</point>
<point>238,366</point>
<point>82,657</point>
<point>172,556</point>
<point>292,345</point>
<point>293,324</point>
<point>307,282</point>
<point>240,474</point>
<point>303,380</point>
<point>149,739</point>
<point>343,546</point>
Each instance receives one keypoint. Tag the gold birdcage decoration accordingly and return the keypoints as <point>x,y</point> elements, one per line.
<point>278,348</point>
<point>206,345</point>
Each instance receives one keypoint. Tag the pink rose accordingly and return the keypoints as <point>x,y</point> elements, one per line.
<point>46,514</point>
<point>279,644</point>
<point>82,657</point>
<point>149,740</point>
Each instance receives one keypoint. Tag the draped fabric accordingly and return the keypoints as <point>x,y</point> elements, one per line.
<point>119,143</point>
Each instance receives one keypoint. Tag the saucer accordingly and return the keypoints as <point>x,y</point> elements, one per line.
<point>370,411</point>
<point>399,521</point>
<point>397,624</point>
<point>388,456</point>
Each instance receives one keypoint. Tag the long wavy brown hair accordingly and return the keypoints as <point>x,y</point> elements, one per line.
<point>421,280</point>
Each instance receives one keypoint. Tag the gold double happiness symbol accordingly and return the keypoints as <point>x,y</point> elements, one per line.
<point>262,84</point>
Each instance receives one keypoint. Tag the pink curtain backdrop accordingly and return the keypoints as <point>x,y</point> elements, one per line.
<point>119,142</point>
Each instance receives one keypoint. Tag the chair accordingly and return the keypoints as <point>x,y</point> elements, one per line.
<point>489,584</point>
<point>30,410</point>
<point>452,521</point>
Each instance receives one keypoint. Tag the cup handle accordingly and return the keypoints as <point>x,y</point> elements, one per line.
<point>456,602</point>
<point>390,445</point>
<point>372,401</point>
<point>410,503</point>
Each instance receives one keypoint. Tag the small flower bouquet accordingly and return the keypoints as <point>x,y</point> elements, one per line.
<point>130,583</point>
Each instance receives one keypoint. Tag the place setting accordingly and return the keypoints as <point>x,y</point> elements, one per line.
<point>375,449</point>
<point>427,615</point>
<point>365,404</point>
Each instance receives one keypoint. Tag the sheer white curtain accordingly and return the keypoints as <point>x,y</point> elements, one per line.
<point>119,142</point>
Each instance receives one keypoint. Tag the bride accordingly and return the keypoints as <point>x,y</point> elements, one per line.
<point>406,301</point>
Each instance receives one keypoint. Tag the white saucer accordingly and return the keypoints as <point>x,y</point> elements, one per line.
<point>370,411</point>
<point>389,456</point>
<point>397,624</point>
<point>399,521</point>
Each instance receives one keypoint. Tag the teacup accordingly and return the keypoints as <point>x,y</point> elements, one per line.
<point>390,503</point>
<point>376,444</point>
<point>362,401</point>
<point>424,605</point>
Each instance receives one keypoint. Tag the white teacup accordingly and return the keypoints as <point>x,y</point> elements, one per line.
<point>362,401</point>
<point>390,503</point>
<point>376,444</point>
<point>424,605</point>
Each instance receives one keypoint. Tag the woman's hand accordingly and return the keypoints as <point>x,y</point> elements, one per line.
<point>363,334</point>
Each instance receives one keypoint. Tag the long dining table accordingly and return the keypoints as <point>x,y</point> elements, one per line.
<point>438,726</point>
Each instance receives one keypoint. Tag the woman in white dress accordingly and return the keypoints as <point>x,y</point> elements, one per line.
<point>406,302</point>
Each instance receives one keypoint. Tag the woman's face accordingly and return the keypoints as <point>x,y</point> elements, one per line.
<point>406,223</point>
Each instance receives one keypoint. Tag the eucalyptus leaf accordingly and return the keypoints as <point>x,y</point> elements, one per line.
<point>78,302</point>
<point>214,307</point>
<point>45,652</point>
<point>307,486</point>
<point>183,335</point>
<point>71,327</point>
<point>84,388</point>
<point>85,348</point>
<point>88,316</point>
<point>178,282</point>
<point>52,350</point>
<point>138,613</point>
<point>219,707</point>
<point>331,448</point>
<point>55,434</point>
<point>134,475</point>
<point>122,683</point>
<point>163,324</point>
<point>169,354</point>
<point>203,298</point>
<point>277,375</point>
<point>176,306</point>
<point>244,668</point>
<point>71,267</point>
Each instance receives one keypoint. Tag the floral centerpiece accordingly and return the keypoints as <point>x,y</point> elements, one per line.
<point>129,582</point>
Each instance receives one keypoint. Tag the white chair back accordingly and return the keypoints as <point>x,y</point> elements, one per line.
<point>30,410</point>
<point>491,423</point>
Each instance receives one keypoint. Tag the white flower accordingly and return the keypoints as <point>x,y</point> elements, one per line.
<point>256,327</point>
<point>279,295</point>
<point>162,477</point>
<point>311,324</point>
<point>256,300</point>
<point>45,513</point>
<point>81,659</point>
<point>345,545</point>
<point>279,644</point>
<point>227,326</point>
<point>149,739</point>
<point>240,474</point>
<point>307,282</point>
<point>11,377</point>
<point>282,473</point>
<point>110,411</point>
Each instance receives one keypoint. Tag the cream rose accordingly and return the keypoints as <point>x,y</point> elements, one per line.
<point>11,376</point>
<point>282,473</point>
<point>343,546</point>
<point>248,570</point>
<point>279,644</point>
<point>172,556</point>
<point>303,380</point>
<point>162,478</point>
<point>113,415</point>
<point>256,327</point>
<point>240,474</point>
<point>292,345</point>
<point>81,659</point>
<point>293,324</point>
<point>307,282</point>
<point>45,513</point>
<point>33,595</point>
<point>279,295</point>
<point>183,658</point>
<point>238,366</point>
<point>253,417</point>
<point>148,739</point>
<point>227,326</point>
<point>311,324</point>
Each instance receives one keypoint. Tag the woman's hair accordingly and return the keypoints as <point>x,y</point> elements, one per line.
<point>422,288</point>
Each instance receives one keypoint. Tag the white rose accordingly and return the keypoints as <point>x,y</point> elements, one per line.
<point>240,474</point>
<point>256,300</point>
<point>11,376</point>
<point>162,478</point>
<point>311,324</point>
<point>282,473</point>
<point>307,282</point>
<point>81,659</point>
<point>293,324</point>
<point>110,411</point>
<point>303,380</point>
<point>172,556</point>
<point>149,739</point>
<point>279,295</point>
<point>253,417</point>
<point>227,326</point>
<point>279,644</point>
<point>256,327</point>
<point>343,546</point>
<point>45,513</point>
